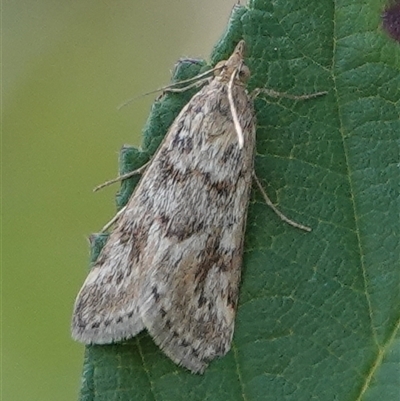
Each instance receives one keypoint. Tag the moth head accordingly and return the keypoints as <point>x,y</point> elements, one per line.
<point>234,65</point>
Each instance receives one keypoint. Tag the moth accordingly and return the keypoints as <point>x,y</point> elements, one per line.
<point>172,264</point>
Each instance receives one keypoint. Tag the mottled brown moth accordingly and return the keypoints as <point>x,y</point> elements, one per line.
<point>172,264</point>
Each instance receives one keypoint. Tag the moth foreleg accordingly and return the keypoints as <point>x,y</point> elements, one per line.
<point>113,220</point>
<point>122,177</point>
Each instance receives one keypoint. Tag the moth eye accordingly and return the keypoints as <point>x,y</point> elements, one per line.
<point>244,73</point>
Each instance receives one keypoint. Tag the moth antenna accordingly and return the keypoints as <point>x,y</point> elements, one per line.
<point>192,85</point>
<point>236,122</point>
<point>163,88</point>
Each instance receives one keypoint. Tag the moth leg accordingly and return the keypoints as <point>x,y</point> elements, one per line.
<point>122,177</point>
<point>113,220</point>
<point>275,94</point>
<point>271,205</point>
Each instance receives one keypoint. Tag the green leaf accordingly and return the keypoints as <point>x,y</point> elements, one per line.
<point>319,312</point>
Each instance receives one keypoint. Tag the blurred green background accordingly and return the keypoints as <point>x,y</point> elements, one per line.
<point>66,66</point>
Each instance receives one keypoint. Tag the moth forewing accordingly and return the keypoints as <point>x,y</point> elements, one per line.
<point>172,264</point>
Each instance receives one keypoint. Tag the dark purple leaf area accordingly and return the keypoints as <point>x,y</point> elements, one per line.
<point>391,21</point>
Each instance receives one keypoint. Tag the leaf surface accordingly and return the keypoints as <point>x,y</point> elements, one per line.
<point>319,312</point>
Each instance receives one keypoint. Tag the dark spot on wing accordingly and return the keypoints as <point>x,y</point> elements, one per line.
<point>124,237</point>
<point>182,231</point>
<point>155,293</point>
<point>228,153</point>
<point>164,219</point>
<point>119,278</point>
<point>211,256</point>
<point>139,239</point>
<point>183,142</point>
<point>222,188</point>
<point>202,300</point>
<point>232,297</point>
<point>168,171</point>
